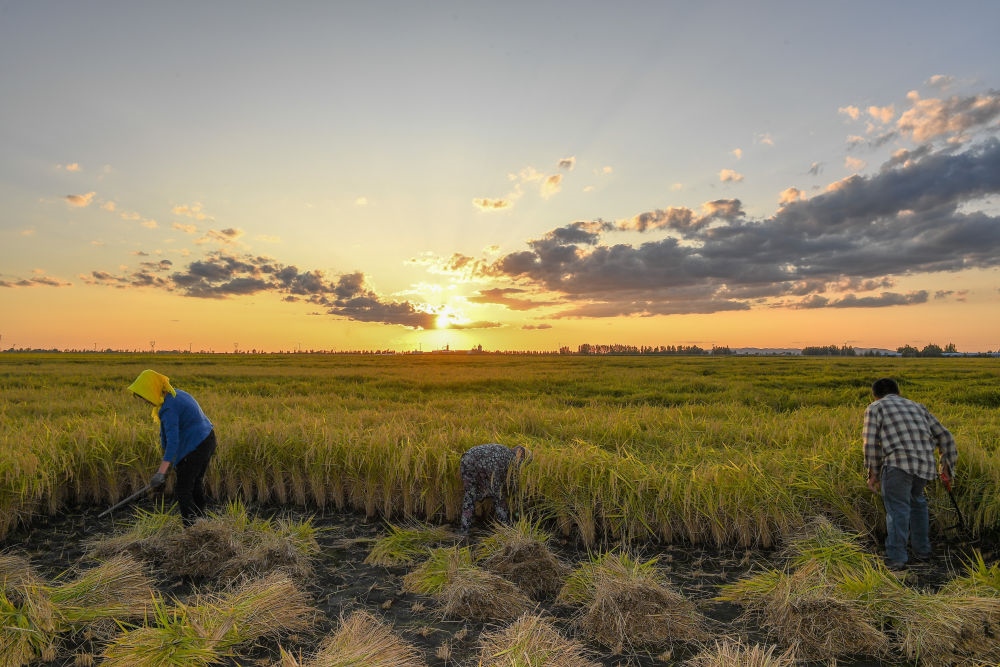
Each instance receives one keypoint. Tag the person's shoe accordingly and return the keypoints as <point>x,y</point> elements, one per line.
<point>923,559</point>
<point>895,566</point>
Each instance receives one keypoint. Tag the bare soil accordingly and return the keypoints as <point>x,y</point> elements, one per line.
<point>342,582</point>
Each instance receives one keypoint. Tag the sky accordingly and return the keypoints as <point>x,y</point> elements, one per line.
<point>234,176</point>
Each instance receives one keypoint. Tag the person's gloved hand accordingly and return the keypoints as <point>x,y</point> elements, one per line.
<point>158,480</point>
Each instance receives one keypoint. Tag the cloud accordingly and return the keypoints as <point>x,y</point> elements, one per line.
<point>567,163</point>
<point>194,211</point>
<point>220,275</point>
<point>38,280</point>
<point>187,229</point>
<point>72,166</point>
<point>80,201</point>
<point>851,112</point>
<point>492,204</point>
<point>551,185</point>
<point>536,327</point>
<point>853,301</point>
<point>228,236</point>
<point>509,297</point>
<point>883,115</point>
<point>909,219</point>
<point>730,176</point>
<point>789,195</point>
<point>737,153</point>
<point>930,119</point>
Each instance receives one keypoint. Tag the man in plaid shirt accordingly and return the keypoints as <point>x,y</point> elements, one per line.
<point>900,438</point>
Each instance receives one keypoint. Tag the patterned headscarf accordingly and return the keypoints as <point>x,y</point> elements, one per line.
<point>152,386</point>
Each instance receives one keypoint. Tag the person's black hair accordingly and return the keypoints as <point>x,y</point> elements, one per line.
<point>884,387</point>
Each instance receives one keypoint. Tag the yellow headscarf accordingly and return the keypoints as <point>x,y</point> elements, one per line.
<point>152,386</point>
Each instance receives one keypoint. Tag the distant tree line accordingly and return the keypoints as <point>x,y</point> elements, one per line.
<point>930,350</point>
<point>829,351</point>
<point>589,348</point>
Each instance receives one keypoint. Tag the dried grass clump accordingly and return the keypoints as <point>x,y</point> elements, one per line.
<point>818,604</point>
<point>627,604</point>
<point>483,596</point>
<point>442,564</point>
<point>519,553</point>
<point>820,623</point>
<point>203,632</point>
<point>834,599</point>
<point>531,641</point>
<point>28,621</point>
<point>34,614</point>
<point>731,653</point>
<point>464,590</point>
<point>224,546</point>
<point>364,640</point>
<point>404,544</point>
<point>945,628</point>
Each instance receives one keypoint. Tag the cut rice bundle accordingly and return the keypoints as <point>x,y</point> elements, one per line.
<point>404,544</point>
<point>531,640</point>
<point>203,632</point>
<point>362,639</point>
<point>483,596</point>
<point>519,554</point>
<point>730,653</point>
<point>625,615</point>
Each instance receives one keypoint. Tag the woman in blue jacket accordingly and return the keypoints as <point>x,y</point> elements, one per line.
<point>186,437</point>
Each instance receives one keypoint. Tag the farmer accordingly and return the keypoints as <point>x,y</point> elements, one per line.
<point>489,471</point>
<point>186,437</point>
<point>900,437</point>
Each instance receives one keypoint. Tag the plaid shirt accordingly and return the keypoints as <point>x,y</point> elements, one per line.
<point>903,434</point>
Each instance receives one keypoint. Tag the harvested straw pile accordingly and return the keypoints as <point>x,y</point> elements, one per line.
<point>224,547</point>
<point>810,614</point>
<point>483,596</point>
<point>946,628</point>
<point>519,553</point>
<point>405,544</point>
<point>628,605</point>
<point>464,590</point>
<point>200,633</point>
<point>531,640</point>
<point>736,654</point>
<point>834,599</point>
<point>34,613</point>
<point>361,639</point>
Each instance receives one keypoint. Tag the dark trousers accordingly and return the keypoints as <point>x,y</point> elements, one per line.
<point>189,487</point>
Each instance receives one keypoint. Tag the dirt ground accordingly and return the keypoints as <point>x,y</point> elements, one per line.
<point>343,582</point>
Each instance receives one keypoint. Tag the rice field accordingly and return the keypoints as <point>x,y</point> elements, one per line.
<point>636,460</point>
<point>719,450</point>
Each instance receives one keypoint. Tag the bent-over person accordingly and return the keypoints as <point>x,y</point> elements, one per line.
<point>187,438</point>
<point>489,471</point>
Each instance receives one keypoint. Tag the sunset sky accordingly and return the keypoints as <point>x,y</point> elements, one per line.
<point>518,175</point>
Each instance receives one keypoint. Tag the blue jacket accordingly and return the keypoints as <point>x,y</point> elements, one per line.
<point>183,426</point>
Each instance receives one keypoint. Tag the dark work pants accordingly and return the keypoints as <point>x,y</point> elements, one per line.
<point>189,487</point>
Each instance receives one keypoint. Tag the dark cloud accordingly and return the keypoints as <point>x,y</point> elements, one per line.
<point>853,301</point>
<point>220,275</point>
<point>510,297</point>
<point>908,219</point>
<point>37,281</point>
